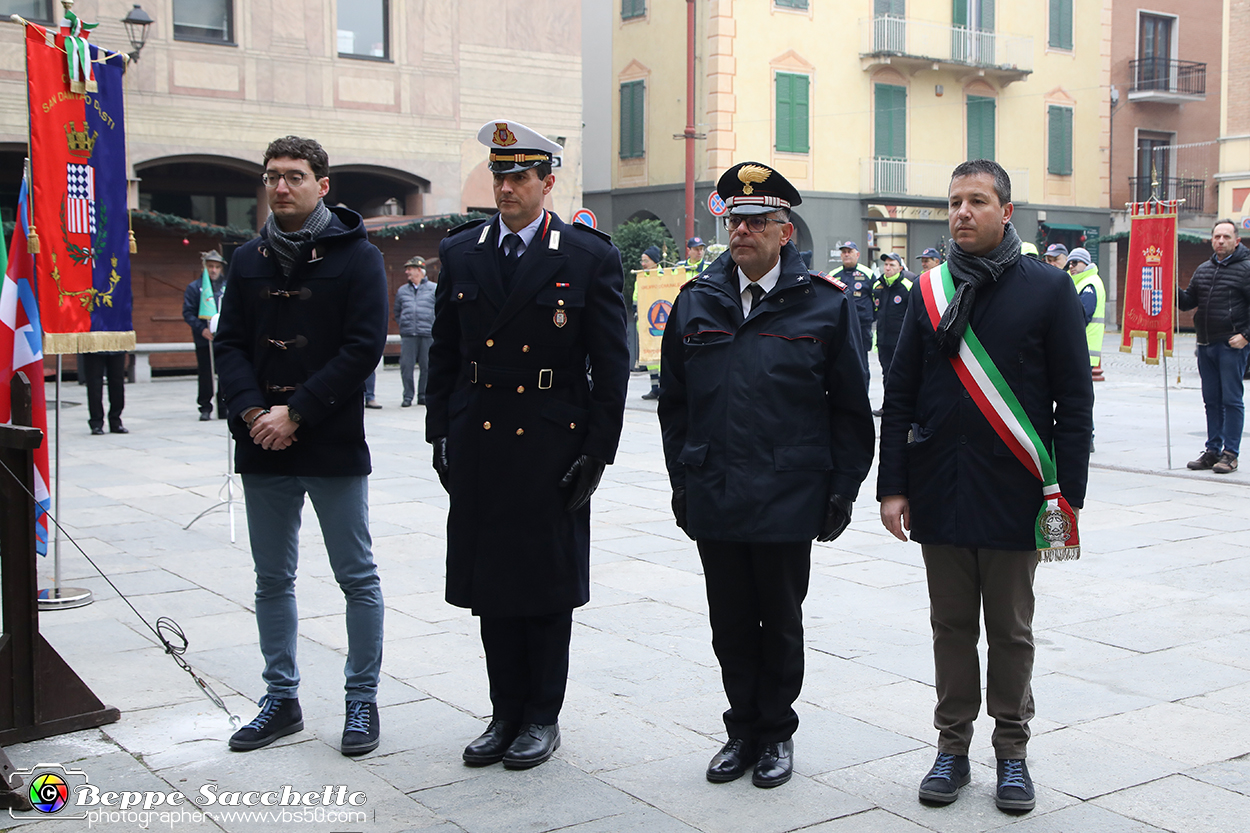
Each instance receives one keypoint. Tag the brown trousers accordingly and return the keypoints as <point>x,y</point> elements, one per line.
<point>962,582</point>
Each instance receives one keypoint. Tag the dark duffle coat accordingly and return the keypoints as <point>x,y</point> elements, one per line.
<point>509,387</point>
<point>964,487</point>
<point>763,418</point>
<point>331,316</point>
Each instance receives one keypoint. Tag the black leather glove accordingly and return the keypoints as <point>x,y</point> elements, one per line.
<point>583,476</point>
<point>837,518</point>
<point>440,461</point>
<point>679,507</point>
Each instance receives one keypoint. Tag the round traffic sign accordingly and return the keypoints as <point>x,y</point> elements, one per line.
<point>586,217</point>
<point>715,204</point>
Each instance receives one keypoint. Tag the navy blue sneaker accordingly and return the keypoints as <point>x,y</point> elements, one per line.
<point>278,717</point>
<point>950,774</point>
<point>1015,787</point>
<point>360,729</point>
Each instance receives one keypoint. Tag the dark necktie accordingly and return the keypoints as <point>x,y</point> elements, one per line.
<point>757,292</point>
<point>511,246</point>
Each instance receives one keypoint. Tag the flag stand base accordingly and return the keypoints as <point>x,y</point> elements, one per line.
<point>64,598</point>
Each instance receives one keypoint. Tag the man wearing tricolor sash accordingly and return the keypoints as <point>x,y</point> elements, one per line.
<point>984,457</point>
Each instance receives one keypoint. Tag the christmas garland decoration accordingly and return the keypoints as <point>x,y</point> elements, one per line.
<point>443,221</point>
<point>174,223</point>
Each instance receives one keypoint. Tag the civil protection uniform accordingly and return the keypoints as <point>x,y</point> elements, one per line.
<point>523,381</point>
<point>763,416</point>
<point>966,490</point>
<point>1088,283</point>
<point>891,297</point>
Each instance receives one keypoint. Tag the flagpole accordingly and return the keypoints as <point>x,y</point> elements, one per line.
<point>58,597</point>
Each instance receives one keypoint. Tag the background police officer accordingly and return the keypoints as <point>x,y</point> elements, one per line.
<point>891,295</point>
<point>767,436</point>
<point>524,305</point>
<point>858,279</point>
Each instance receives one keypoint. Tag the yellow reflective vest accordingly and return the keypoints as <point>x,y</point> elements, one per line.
<point>1097,326</point>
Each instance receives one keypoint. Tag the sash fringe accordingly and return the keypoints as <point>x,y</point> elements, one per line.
<point>1058,554</point>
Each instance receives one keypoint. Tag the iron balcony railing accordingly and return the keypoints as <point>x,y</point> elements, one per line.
<point>890,35</point>
<point>1192,190</point>
<point>902,178</point>
<point>1164,76</point>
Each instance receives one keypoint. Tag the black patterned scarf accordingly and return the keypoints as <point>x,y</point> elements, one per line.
<point>293,246</point>
<point>970,273</point>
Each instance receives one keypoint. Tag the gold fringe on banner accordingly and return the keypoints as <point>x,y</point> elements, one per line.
<point>106,341</point>
<point>32,241</point>
<point>134,246</point>
<point>60,344</point>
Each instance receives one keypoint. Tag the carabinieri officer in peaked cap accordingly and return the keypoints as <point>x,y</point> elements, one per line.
<point>767,435</point>
<point>526,396</point>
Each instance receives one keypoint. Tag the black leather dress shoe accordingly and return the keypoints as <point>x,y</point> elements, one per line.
<point>734,759</point>
<point>533,745</point>
<point>493,743</point>
<point>776,764</point>
<point>118,429</point>
<point>97,430</point>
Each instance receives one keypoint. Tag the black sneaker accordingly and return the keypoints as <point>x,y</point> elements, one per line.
<point>360,729</point>
<point>950,774</point>
<point>1015,787</point>
<point>278,717</point>
<point>1206,460</point>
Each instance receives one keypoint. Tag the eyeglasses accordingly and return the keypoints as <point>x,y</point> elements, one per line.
<point>294,179</point>
<point>754,223</point>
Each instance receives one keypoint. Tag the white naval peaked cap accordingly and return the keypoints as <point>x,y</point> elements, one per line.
<point>515,147</point>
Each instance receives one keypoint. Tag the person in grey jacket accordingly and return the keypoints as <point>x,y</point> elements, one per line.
<point>414,313</point>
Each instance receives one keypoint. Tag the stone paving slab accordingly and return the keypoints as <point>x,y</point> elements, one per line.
<point>1142,680</point>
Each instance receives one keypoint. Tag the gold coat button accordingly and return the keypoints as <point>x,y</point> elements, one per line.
<point>486,426</point>
<point>520,388</point>
<point>525,348</point>
<point>520,431</point>
<point>560,303</point>
<point>460,296</point>
<point>489,385</point>
<point>572,425</point>
<point>490,342</point>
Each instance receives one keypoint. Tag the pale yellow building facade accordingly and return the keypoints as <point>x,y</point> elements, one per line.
<point>866,107</point>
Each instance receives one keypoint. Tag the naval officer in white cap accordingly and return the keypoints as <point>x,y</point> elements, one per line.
<point>525,401</point>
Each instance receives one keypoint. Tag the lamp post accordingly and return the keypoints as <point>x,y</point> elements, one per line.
<point>137,22</point>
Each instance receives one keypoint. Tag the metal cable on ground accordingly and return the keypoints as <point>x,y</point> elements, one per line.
<point>163,625</point>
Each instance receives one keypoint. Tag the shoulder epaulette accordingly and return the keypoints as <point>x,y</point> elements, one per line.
<point>687,283</point>
<point>829,279</point>
<point>468,225</point>
<point>583,227</point>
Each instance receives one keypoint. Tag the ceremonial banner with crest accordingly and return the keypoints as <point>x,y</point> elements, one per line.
<point>80,226</point>
<point>1150,285</point>
<point>656,290</point>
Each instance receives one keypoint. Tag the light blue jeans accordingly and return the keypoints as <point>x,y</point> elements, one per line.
<point>274,505</point>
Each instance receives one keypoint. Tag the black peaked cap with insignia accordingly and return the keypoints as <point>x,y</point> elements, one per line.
<point>755,188</point>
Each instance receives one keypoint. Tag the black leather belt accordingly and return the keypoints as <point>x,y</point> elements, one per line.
<point>545,379</point>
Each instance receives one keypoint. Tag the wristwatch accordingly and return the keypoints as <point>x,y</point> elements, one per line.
<point>293,415</point>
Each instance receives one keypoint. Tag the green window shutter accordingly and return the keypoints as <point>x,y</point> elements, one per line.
<point>1059,134</point>
<point>632,99</point>
<point>792,4</point>
<point>959,12</point>
<point>783,111</point>
<point>987,15</point>
<point>1061,24</point>
<point>890,121</point>
<point>894,8</point>
<point>633,8</point>
<point>792,112</point>
<point>980,127</point>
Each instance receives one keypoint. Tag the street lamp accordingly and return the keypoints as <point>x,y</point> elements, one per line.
<point>137,22</point>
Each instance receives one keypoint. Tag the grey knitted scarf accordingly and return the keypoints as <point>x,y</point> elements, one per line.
<point>292,246</point>
<point>970,273</point>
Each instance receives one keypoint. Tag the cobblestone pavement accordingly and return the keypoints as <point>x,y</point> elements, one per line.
<point>1142,680</point>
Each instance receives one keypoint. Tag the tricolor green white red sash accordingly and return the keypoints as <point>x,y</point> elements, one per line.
<point>1055,531</point>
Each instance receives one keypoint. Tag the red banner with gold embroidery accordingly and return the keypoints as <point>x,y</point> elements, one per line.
<point>80,225</point>
<point>1150,285</point>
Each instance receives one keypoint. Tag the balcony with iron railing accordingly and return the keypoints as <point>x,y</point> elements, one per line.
<point>917,44</point>
<point>1192,190</point>
<point>903,178</point>
<point>1168,82</point>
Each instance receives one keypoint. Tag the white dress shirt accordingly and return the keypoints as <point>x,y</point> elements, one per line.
<point>526,234</point>
<point>765,283</point>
